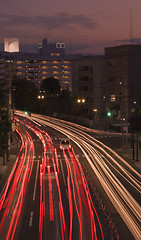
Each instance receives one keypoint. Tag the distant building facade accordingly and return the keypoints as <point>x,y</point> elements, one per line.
<point>123,79</point>
<point>98,83</point>
<point>6,70</point>
<point>87,86</point>
<point>51,61</point>
<point>37,68</point>
<point>51,49</point>
<point>2,69</point>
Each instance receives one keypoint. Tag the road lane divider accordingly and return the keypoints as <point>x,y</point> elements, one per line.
<point>35,185</point>
<point>31,219</point>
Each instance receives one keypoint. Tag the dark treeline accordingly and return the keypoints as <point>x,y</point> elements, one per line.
<point>47,99</point>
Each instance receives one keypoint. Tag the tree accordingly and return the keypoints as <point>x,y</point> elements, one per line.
<point>4,128</point>
<point>5,125</point>
<point>65,102</point>
<point>1,97</point>
<point>24,94</point>
<point>51,86</point>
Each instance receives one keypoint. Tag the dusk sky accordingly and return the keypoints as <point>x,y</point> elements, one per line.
<point>89,25</point>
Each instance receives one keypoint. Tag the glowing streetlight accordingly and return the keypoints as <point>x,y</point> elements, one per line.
<point>41,97</point>
<point>83,100</point>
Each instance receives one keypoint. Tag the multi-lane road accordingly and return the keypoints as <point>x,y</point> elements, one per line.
<point>49,194</point>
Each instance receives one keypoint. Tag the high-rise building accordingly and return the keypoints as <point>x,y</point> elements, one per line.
<point>51,61</point>
<point>51,49</point>
<point>123,79</point>
<point>6,69</point>
<point>37,68</point>
<point>87,85</point>
<point>2,67</point>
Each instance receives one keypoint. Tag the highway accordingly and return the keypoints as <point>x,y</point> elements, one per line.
<point>111,170</point>
<point>12,196</point>
<point>66,207</point>
<point>57,198</point>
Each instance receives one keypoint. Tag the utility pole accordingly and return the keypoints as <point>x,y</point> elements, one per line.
<point>124,113</point>
<point>122,128</point>
<point>8,77</point>
<point>121,116</point>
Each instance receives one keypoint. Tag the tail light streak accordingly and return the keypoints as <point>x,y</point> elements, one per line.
<point>50,195</point>
<point>74,195</point>
<point>127,207</point>
<point>14,192</point>
<point>82,139</point>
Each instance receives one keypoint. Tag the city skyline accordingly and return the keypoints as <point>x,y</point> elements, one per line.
<point>85,27</point>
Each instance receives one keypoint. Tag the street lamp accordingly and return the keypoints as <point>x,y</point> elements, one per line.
<point>79,100</point>
<point>41,97</point>
<point>86,108</point>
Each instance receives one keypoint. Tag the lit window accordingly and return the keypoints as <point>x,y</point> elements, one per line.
<point>58,45</point>
<point>113,98</point>
<point>62,45</point>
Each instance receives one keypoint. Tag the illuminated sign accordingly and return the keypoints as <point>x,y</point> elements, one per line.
<point>11,45</point>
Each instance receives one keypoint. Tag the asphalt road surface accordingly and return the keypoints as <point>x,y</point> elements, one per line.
<point>83,192</point>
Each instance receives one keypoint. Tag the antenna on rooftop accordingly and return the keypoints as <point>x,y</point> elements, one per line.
<point>70,43</point>
<point>23,43</point>
<point>131,28</point>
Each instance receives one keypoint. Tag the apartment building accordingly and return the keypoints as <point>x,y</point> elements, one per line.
<point>49,61</point>
<point>88,85</point>
<point>123,79</point>
<point>34,67</point>
<point>51,49</point>
<point>2,67</point>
